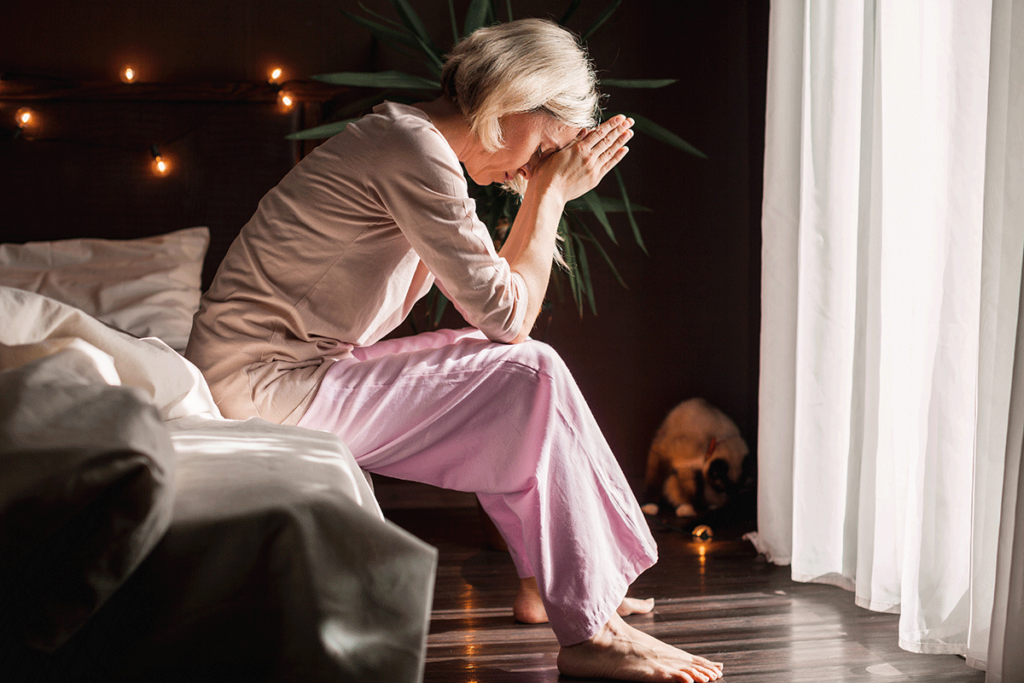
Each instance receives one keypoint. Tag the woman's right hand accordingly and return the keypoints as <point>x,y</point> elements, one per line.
<point>577,168</point>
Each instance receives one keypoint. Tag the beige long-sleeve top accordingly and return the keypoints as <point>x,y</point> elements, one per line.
<point>336,255</point>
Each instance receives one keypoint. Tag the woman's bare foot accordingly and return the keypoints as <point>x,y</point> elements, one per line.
<point>621,652</point>
<point>528,608</point>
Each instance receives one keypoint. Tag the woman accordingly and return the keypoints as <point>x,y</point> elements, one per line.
<point>336,255</point>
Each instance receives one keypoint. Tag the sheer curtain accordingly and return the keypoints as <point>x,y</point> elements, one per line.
<point>892,342</point>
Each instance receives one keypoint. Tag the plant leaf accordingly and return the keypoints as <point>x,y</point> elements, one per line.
<point>594,204</point>
<point>610,204</point>
<point>437,66</point>
<point>637,82</point>
<point>381,17</point>
<point>570,261</point>
<point>361,105</point>
<point>382,32</point>
<point>585,283</point>
<point>413,23</point>
<point>569,12</point>
<point>606,257</point>
<point>608,11</point>
<point>645,125</point>
<point>440,303</point>
<point>629,211</point>
<point>476,15</point>
<point>379,79</point>
<point>320,132</point>
<point>455,26</point>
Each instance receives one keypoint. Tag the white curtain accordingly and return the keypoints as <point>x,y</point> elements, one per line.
<point>892,343</point>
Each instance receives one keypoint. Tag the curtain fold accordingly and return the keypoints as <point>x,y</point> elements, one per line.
<point>891,395</point>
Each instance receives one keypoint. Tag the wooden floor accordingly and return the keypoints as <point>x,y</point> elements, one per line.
<point>717,599</point>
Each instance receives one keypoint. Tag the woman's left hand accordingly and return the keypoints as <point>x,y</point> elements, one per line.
<point>577,168</point>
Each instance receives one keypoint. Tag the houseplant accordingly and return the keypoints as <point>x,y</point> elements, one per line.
<point>496,207</point>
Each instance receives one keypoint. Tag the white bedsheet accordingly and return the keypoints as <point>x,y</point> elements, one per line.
<point>277,565</point>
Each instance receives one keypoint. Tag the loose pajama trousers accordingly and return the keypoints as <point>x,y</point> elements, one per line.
<point>507,422</point>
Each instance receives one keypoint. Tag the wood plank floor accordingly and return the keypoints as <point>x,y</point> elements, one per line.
<point>723,602</point>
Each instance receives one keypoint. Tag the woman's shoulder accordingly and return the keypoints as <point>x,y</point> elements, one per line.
<point>400,146</point>
<point>402,131</point>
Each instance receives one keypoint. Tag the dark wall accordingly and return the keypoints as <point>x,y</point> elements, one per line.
<point>687,325</point>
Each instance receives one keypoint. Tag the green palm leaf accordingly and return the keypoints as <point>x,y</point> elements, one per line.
<point>383,33</point>
<point>584,275</point>
<point>381,17</point>
<point>629,210</point>
<point>436,65</point>
<point>608,11</point>
<point>476,16</point>
<point>645,125</point>
<point>605,256</point>
<point>610,205</point>
<point>361,105</point>
<point>379,79</point>
<point>593,203</point>
<point>637,82</point>
<point>455,26</point>
<point>439,304</point>
<point>413,23</point>
<point>569,12</point>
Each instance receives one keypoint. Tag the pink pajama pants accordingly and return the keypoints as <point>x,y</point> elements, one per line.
<point>507,422</point>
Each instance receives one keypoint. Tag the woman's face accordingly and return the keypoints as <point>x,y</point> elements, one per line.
<point>529,139</point>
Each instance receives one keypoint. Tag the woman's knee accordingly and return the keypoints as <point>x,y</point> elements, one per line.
<point>539,356</point>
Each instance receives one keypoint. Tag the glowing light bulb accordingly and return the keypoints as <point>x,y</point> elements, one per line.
<point>285,99</point>
<point>25,117</point>
<point>160,165</point>
<point>128,75</point>
<point>275,75</point>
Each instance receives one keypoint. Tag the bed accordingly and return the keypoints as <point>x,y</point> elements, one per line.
<point>143,537</point>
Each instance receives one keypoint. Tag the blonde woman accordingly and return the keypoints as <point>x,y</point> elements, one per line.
<point>336,255</point>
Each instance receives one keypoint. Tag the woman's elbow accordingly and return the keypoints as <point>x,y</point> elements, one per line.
<point>524,335</point>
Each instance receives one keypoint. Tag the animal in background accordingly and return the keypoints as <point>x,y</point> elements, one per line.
<point>697,462</point>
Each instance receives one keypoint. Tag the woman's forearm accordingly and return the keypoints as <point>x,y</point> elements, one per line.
<point>564,175</point>
<point>531,245</point>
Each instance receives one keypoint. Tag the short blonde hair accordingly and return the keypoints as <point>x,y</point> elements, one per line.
<point>521,66</point>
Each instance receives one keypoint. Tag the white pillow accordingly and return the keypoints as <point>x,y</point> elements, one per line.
<point>148,287</point>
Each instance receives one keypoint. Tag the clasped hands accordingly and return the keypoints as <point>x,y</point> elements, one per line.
<point>578,167</point>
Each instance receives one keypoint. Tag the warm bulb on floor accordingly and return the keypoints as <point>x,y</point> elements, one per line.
<point>128,75</point>
<point>275,75</point>
<point>285,99</point>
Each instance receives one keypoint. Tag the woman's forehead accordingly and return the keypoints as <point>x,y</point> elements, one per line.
<point>539,127</point>
<point>557,134</point>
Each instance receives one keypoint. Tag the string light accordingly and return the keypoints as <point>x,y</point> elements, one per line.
<point>285,99</point>
<point>128,74</point>
<point>160,165</point>
<point>25,117</point>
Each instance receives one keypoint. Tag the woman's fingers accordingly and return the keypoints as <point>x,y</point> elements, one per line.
<point>610,144</point>
<point>607,133</point>
<point>579,167</point>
